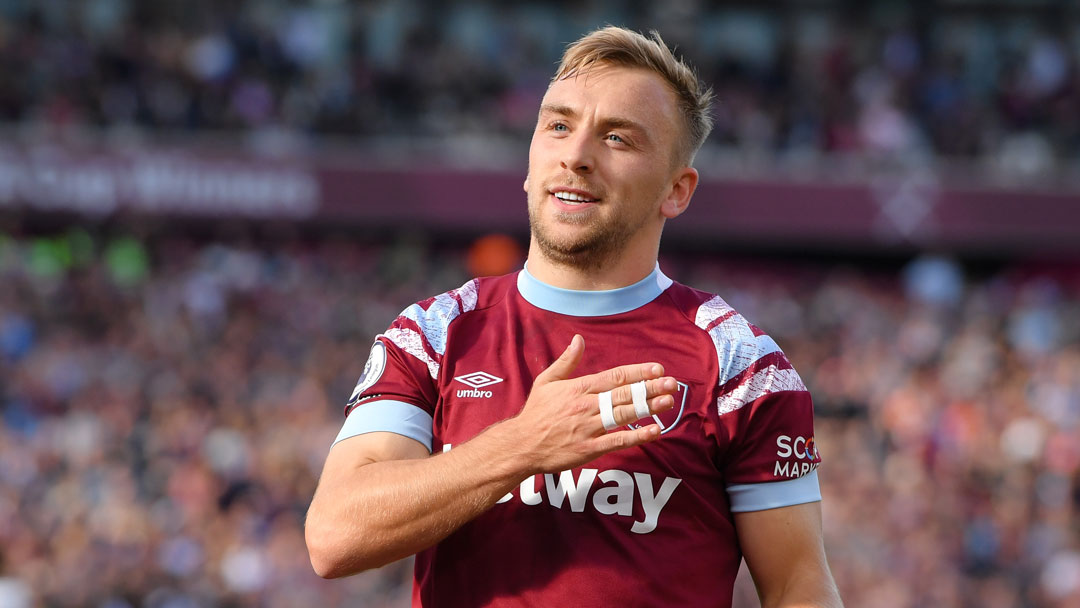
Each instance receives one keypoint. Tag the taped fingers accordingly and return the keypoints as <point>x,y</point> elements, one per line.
<point>643,392</point>
<point>607,414</point>
<point>635,401</point>
<point>638,393</point>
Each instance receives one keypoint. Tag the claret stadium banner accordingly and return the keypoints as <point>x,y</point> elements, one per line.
<point>899,210</point>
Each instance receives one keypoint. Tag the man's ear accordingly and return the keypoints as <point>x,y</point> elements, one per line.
<point>682,188</point>
<point>525,186</point>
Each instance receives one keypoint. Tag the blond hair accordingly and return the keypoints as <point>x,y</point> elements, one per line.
<point>626,48</point>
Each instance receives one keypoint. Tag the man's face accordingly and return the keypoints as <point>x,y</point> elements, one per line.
<point>601,164</point>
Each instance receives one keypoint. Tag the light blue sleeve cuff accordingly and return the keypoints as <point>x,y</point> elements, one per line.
<point>774,494</point>
<point>388,416</point>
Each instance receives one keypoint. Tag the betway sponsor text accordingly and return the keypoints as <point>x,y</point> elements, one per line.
<point>612,493</point>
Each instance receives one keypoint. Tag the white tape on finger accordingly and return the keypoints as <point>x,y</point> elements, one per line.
<point>638,394</point>
<point>607,416</point>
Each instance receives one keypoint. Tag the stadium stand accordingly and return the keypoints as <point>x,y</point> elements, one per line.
<point>957,79</point>
<point>890,191</point>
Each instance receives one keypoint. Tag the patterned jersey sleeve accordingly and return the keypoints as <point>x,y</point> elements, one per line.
<point>398,389</point>
<point>764,412</point>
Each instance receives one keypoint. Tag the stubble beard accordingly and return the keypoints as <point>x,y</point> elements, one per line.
<point>603,241</point>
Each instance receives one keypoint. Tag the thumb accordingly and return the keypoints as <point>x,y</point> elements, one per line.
<point>566,363</point>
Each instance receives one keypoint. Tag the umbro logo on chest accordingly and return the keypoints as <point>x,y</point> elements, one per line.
<point>476,381</point>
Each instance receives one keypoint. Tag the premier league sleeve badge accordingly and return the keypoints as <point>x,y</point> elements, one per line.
<point>373,370</point>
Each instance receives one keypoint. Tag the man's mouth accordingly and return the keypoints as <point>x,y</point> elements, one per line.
<point>574,198</point>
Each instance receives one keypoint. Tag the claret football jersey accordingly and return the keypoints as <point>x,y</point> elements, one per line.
<point>646,526</point>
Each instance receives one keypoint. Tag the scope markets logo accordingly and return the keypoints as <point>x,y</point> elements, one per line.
<point>477,381</point>
<point>793,450</point>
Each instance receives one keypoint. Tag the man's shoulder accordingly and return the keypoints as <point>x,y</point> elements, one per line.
<point>707,311</point>
<point>478,293</point>
<point>431,318</point>
<point>421,331</point>
<point>743,350</point>
<point>712,315</point>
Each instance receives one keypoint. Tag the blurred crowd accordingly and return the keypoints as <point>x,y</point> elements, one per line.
<point>166,405</point>
<point>166,412</point>
<point>948,415</point>
<point>991,81</point>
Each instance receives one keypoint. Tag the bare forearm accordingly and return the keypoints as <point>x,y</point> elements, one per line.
<point>383,511</point>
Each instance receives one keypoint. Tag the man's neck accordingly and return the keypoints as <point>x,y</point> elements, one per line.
<point>623,270</point>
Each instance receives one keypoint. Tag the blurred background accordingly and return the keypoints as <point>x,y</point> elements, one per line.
<point>209,208</point>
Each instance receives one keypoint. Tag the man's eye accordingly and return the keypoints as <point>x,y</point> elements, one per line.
<point>615,138</point>
<point>558,127</point>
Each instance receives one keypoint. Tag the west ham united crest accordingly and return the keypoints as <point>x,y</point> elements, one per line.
<point>667,420</point>
<point>373,370</point>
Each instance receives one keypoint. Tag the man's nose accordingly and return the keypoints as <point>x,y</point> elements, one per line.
<point>579,153</point>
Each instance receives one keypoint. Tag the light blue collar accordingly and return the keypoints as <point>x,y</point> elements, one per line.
<point>591,303</point>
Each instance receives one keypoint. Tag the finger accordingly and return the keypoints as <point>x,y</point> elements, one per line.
<point>620,440</point>
<point>618,376</point>
<point>641,404</point>
<point>625,414</point>
<point>667,385</point>
<point>565,364</point>
<point>607,412</point>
